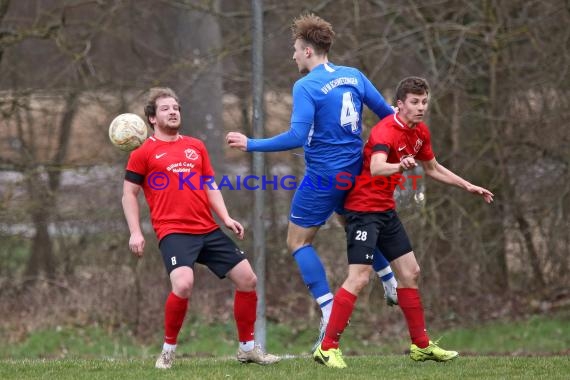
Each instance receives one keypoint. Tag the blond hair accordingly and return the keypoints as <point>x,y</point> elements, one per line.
<point>315,31</point>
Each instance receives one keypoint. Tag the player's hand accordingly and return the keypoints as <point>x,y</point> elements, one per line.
<point>407,163</point>
<point>486,194</point>
<point>136,244</point>
<point>237,140</point>
<point>235,226</point>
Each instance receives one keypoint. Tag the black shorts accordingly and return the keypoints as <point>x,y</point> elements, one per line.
<point>367,230</point>
<point>215,250</point>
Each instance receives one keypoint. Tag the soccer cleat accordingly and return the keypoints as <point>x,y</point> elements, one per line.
<point>256,356</point>
<point>322,330</point>
<point>330,358</point>
<point>431,352</point>
<point>390,293</point>
<point>165,360</point>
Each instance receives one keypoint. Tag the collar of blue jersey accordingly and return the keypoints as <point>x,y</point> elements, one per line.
<point>328,66</point>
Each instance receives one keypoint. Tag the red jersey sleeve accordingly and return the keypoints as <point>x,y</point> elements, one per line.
<point>426,152</point>
<point>380,140</point>
<point>137,162</point>
<point>207,169</point>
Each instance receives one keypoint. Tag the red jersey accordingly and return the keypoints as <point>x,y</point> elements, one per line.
<point>395,139</point>
<point>174,177</point>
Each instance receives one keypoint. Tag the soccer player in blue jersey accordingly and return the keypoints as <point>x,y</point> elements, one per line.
<point>327,122</point>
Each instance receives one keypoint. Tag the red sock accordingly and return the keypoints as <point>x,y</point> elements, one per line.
<point>174,313</point>
<point>245,307</point>
<point>411,304</point>
<point>343,304</point>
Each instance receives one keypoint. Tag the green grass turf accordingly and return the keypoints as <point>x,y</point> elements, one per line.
<point>535,348</point>
<point>361,367</point>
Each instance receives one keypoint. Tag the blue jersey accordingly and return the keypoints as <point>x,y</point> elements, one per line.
<point>326,122</point>
<point>329,101</point>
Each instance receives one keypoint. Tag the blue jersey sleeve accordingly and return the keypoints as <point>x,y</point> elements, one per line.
<point>293,138</point>
<point>303,105</point>
<point>302,117</point>
<point>374,100</point>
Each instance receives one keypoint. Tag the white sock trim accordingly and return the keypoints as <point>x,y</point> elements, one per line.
<point>324,298</point>
<point>247,346</point>
<point>326,310</point>
<point>168,347</point>
<point>385,271</point>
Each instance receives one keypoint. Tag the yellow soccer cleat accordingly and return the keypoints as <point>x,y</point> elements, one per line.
<point>331,358</point>
<point>431,352</point>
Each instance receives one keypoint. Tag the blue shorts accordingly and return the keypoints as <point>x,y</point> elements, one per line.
<point>317,197</point>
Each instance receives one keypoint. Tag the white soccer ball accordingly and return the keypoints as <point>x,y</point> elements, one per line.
<point>128,131</point>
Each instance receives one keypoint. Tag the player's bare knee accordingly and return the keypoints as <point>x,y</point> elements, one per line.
<point>292,244</point>
<point>415,273</point>
<point>298,237</point>
<point>246,282</point>
<point>357,281</point>
<point>409,277</point>
<point>361,282</point>
<point>250,281</point>
<point>183,287</point>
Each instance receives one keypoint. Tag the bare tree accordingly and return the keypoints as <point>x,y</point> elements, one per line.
<point>499,76</point>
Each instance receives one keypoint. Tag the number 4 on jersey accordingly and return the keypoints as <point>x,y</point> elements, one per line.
<point>348,113</point>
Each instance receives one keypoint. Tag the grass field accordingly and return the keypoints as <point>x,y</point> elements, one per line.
<point>361,367</point>
<point>535,348</point>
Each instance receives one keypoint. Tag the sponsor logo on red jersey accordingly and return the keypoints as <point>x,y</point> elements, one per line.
<point>191,154</point>
<point>418,145</point>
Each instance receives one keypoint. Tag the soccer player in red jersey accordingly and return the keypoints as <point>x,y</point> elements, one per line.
<point>395,145</point>
<point>177,179</point>
<point>326,120</point>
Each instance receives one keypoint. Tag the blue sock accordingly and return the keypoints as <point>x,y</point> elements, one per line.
<point>313,273</point>
<point>381,266</point>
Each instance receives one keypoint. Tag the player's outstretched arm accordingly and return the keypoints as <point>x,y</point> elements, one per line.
<point>440,173</point>
<point>132,215</point>
<point>478,190</point>
<point>295,137</point>
<point>217,204</point>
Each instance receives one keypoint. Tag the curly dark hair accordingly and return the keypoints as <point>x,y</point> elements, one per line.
<point>154,94</point>
<point>315,31</point>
